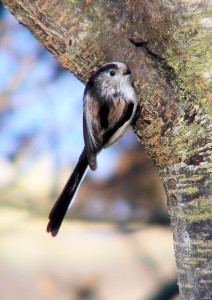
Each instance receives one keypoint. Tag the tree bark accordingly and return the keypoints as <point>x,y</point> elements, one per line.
<point>167,45</point>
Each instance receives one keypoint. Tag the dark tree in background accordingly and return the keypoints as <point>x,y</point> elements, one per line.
<point>168,47</point>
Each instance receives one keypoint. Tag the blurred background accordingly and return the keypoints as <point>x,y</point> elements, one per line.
<point>116,242</point>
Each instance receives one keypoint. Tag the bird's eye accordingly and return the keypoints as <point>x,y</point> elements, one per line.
<point>112,73</point>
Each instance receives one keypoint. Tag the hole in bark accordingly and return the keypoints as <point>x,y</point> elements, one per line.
<point>195,160</point>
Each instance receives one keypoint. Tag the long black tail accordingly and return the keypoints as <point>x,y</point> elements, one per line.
<point>66,198</point>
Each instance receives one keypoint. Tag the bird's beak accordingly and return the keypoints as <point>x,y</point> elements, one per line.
<point>127,72</point>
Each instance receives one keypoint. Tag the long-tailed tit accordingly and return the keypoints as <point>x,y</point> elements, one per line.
<point>109,105</point>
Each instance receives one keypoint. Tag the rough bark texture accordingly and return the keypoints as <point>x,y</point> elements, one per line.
<point>168,47</point>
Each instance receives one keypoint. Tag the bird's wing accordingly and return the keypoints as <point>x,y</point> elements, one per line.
<point>119,118</point>
<point>104,122</point>
<point>92,129</point>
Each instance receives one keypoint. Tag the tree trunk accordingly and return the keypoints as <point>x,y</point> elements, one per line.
<point>167,45</point>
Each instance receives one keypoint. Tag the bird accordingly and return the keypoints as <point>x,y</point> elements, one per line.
<point>109,107</point>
